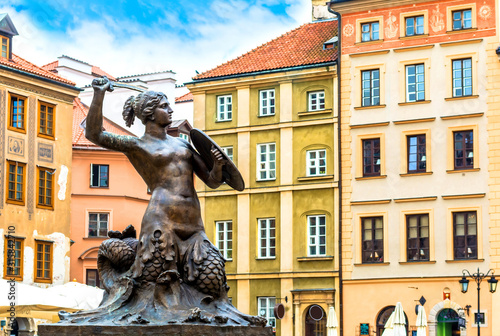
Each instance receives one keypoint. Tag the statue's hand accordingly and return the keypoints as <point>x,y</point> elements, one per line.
<point>102,84</point>
<point>217,156</point>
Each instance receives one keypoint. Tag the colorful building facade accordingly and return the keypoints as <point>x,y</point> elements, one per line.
<point>274,112</point>
<point>416,149</point>
<point>35,163</point>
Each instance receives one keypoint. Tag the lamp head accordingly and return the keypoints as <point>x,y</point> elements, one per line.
<point>464,283</point>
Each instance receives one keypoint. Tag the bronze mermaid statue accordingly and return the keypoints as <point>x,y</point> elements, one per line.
<point>172,273</point>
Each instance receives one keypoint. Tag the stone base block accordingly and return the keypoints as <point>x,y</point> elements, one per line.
<point>152,330</point>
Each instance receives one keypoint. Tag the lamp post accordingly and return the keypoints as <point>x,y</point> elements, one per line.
<point>478,277</point>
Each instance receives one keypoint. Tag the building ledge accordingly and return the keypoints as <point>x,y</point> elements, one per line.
<point>410,121</point>
<point>453,171</point>
<point>325,258</point>
<point>371,177</point>
<point>314,178</point>
<point>463,261</point>
<point>415,174</point>
<point>460,116</point>
<point>369,107</point>
<point>417,262</point>
<point>461,98</point>
<point>415,102</point>
<point>373,264</point>
<point>308,113</point>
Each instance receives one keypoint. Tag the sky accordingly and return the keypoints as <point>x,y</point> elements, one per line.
<point>144,36</point>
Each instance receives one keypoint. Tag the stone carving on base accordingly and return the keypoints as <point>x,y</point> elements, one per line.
<point>171,274</point>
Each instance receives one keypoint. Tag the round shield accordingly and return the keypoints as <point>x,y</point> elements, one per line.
<point>203,145</point>
<point>316,312</point>
<point>279,310</point>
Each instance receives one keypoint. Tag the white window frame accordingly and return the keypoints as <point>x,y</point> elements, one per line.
<point>267,103</point>
<point>316,100</point>
<point>461,75</point>
<point>225,108</point>
<point>228,150</point>
<point>267,303</point>
<point>313,239</point>
<point>415,25</point>
<point>184,136</point>
<point>315,163</point>
<point>265,163</point>
<point>99,173</point>
<point>267,235</point>
<point>98,213</point>
<point>225,245</point>
<point>415,90</point>
<point>371,31</point>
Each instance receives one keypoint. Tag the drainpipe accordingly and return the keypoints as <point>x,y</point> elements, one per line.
<point>339,142</point>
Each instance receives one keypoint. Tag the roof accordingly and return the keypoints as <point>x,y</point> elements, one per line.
<point>19,63</point>
<point>188,97</point>
<point>96,71</point>
<point>299,47</point>
<point>80,112</point>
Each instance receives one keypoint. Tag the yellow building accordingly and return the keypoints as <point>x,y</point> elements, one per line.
<point>35,150</point>
<point>273,111</point>
<point>418,147</point>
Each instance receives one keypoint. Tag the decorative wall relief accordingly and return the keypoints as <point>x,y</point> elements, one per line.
<point>485,11</point>
<point>3,127</point>
<point>437,20</point>
<point>31,131</point>
<point>45,152</point>
<point>15,146</point>
<point>348,30</point>
<point>391,27</point>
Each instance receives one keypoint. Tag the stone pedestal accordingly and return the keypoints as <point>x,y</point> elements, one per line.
<point>151,330</point>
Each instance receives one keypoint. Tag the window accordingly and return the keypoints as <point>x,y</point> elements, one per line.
<point>5,47</point>
<point>463,149</point>
<point>229,151</point>
<point>16,178</point>
<point>92,278</point>
<point>370,87</point>
<point>266,162</point>
<point>98,224</point>
<point>99,175</point>
<point>415,83</point>
<point>316,162</point>
<point>184,136</point>
<point>17,110</point>
<point>43,272</point>
<point>371,157</point>
<point>316,229</point>
<point>414,25</point>
<point>417,231</point>
<point>373,239</point>
<point>267,238</point>
<point>316,101</point>
<point>462,77</point>
<point>224,238</point>
<point>369,31</point>
<point>46,120</point>
<point>13,260</point>
<point>462,19</point>
<point>416,150</point>
<point>45,188</point>
<point>465,235</point>
<point>265,307</point>
<point>224,108</point>
<point>266,98</point>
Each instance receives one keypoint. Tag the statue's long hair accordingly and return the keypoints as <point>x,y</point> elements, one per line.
<point>141,106</point>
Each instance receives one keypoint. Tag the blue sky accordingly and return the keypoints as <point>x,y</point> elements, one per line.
<point>141,36</point>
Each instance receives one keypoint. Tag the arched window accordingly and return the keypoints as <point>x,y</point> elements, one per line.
<point>315,321</point>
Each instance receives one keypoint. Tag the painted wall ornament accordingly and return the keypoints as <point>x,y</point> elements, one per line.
<point>485,11</point>
<point>348,30</point>
<point>437,20</point>
<point>171,273</point>
<point>391,27</point>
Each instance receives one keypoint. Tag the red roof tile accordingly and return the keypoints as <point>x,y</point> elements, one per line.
<point>80,111</point>
<point>21,64</point>
<point>96,71</point>
<point>299,47</point>
<point>184,98</point>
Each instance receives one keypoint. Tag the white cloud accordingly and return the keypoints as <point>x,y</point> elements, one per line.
<point>224,31</point>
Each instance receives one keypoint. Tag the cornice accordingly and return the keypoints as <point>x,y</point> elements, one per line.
<point>357,6</point>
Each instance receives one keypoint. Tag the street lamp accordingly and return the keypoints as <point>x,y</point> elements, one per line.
<point>478,277</point>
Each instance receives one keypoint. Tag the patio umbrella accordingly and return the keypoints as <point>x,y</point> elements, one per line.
<point>399,321</point>
<point>389,326</point>
<point>77,295</point>
<point>332,323</point>
<point>421,322</point>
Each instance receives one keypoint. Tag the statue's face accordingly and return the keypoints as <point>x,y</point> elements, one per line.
<point>163,113</point>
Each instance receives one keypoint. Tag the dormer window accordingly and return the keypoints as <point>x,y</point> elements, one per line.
<point>5,46</point>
